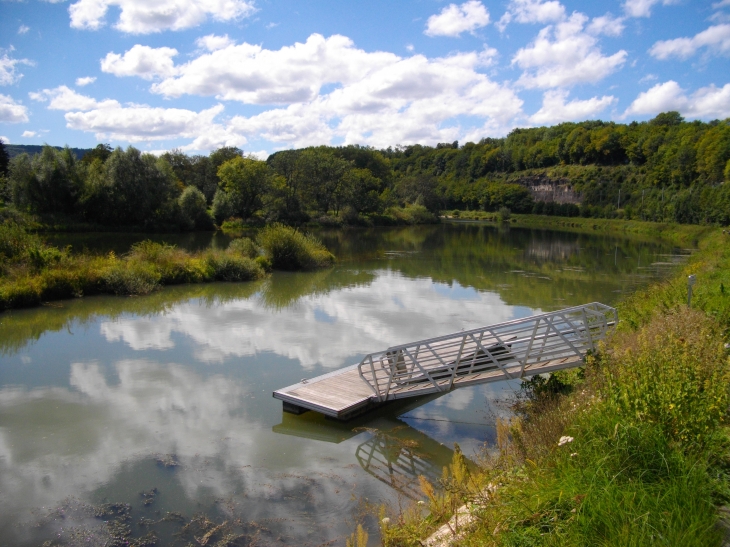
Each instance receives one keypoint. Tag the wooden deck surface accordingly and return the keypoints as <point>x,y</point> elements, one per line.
<point>341,393</point>
<point>334,394</point>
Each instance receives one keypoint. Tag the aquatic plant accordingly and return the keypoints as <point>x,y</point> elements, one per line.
<point>289,249</point>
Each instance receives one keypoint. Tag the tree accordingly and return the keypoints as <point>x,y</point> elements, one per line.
<point>419,189</point>
<point>245,180</point>
<point>131,188</point>
<point>193,209</point>
<point>4,160</point>
<point>101,152</point>
<point>667,119</point>
<point>322,175</point>
<point>47,183</point>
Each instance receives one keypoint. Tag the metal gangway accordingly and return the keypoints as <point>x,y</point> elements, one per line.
<point>504,351</point>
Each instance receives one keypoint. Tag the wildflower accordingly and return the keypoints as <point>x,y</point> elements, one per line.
<point>574,454</point>
<point>421,502</point>
<point>565,440</point>
<point>385,521</point>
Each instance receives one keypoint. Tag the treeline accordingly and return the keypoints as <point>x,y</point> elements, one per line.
<point>175,191</point>
<point>665,169</point>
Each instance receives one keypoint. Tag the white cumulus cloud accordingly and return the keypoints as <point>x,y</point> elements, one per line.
<point>254,75</point>
<point>8,69</point>
<point>606,24</point>
<point>716,39</point>
<point>706,102</point>
<point>144,17</point>
<point>11,111</point>
<point>29,134</point>
<point>86,80</point>
<point>412,100</point>
<point>453,19</point>
<point>142,123</point>
<point>23,29</point>
<point>63,98</point>
<point>642,8</point>
<point>555,109</point>
<point>565,54</point>
<point>143,61</point>
<point>532,11</point>
<point>213,42</point>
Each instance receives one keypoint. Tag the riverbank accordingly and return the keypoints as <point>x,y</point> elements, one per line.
<point>33,272</point>
<point>681,234</point>
<point>631,450</point>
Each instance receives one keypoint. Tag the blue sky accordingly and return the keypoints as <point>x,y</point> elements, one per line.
<point>266,75</point>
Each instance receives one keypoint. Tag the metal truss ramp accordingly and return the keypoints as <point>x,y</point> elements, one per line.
<point>515,349</point>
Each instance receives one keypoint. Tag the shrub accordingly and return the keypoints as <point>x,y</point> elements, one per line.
<point>291,250</point>
<point>131,277</point>
<point>411,214</point>
<point>673,372</point>
<point>229,267</point>
<point>504,214</point>
<point>244,246</point>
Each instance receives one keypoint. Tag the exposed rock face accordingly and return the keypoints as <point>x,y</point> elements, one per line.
<point>544,188</point>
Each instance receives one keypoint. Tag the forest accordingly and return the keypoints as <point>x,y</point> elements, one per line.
<point>665,169</point>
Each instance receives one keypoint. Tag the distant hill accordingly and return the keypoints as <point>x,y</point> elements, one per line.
<point>31,149</point>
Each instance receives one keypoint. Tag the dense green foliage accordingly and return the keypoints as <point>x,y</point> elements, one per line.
<point>665,169</point>
<point>662,170</point>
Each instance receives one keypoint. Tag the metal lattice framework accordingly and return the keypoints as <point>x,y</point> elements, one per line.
<point>396,465</point>
<point>504,351</point>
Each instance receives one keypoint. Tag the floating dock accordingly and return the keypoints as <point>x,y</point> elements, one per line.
<point>514,349</point>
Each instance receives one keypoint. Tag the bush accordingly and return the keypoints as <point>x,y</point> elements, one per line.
<point>244,246</point>
<point>131,277</point>
<point>674,373</point>
<point>411,214</point>
<point>15,242</point>
<point>291,250</point>
<point>229,267</point>
<point>504,214</point>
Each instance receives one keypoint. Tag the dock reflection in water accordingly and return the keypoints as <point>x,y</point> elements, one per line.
<point>394,452</point>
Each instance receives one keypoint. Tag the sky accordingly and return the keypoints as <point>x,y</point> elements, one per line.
<point>268,75</point>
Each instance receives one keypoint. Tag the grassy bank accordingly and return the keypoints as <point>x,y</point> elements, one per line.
<point>32,272</point>
<point>632,450</point>
<point>681,234</point>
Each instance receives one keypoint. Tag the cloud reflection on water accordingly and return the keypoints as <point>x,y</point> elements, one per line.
<point>360,319</point>
<point>84,437</point>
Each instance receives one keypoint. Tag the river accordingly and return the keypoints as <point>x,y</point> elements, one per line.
<point>155,413</point>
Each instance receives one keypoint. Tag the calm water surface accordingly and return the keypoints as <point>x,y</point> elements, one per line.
<point>105,398</point>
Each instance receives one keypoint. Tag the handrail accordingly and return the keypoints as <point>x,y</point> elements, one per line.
<point>510,349</point>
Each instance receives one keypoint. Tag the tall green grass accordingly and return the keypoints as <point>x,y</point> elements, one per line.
<point>38,273</point>
<point>32,272</point>
<point>289,249</point>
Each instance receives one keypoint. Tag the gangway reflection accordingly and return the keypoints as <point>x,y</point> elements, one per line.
<point>394,452</point>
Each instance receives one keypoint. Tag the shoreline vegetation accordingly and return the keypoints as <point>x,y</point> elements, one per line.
<point>631,450</point>
<point>33,272</point>
<point>680,234</point>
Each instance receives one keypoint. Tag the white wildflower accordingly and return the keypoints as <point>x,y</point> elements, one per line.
<point>565,440</point>
<point>385,521</point>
